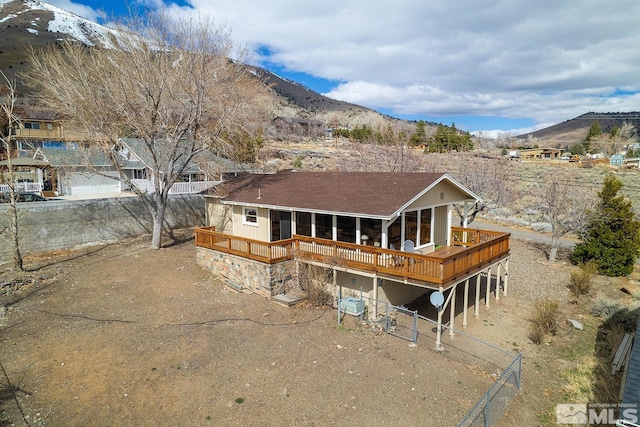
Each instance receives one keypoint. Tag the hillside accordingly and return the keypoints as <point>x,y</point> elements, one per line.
<point>35,24</point>
<point>575,130</point>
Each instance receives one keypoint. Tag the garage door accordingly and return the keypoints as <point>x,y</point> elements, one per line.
<point>84,183</point>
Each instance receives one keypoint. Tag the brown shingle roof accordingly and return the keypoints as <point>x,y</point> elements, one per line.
<point>379,194</point>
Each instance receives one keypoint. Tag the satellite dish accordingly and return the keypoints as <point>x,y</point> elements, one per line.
<point>437,299</point>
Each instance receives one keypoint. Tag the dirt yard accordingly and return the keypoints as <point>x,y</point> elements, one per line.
<point>122,335</point>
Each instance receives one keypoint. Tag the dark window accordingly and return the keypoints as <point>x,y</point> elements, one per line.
<point>346,229</point>
<point>303,223</point>
<point>372,228</point>
<point>324,226</point>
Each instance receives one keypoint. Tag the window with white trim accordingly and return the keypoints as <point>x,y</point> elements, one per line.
<point>250,216</point>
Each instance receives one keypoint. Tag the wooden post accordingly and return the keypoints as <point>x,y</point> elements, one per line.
<point>466,302</point>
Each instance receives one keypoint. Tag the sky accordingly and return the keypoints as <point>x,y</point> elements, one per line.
<point>496,67</point>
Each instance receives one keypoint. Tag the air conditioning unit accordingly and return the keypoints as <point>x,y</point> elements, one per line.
<point>351,305</point>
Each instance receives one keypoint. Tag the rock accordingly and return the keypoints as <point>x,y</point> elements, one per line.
<point>576,324</point>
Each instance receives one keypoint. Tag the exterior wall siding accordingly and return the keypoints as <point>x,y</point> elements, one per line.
<point>257,232</point>
<point>440,232</point>
<point>442,194</point>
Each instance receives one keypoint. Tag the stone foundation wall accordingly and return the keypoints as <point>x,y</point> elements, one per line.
<point>264,279</point>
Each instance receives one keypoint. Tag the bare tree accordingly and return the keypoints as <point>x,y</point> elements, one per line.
<point>489,178</point>
<point>387,151</point>
<point>168,83</point>
<point>562,206</point>
<point>11,120</point>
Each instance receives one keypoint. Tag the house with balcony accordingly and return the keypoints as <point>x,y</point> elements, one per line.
<point>387,236</point>
<point>84,171</point>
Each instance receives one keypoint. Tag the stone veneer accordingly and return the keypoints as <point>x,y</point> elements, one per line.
<point>262,278</point>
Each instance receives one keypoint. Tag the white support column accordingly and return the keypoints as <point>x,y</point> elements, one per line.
<point>402,231</point>
<point>334,227</point>
<point>384,239</point>
<point>313,224</point>
<point>498,274</point>
<point>358,231</point>
<point>439,346</point>
<point>488,289</point>
<point>476,307</point>
<point>449,222</point>
<point>375,296</point>
<point>466,303</point>
<point>506,275</point>
<point>452,310</point>
<point>294,226</point>
<point>466,212</point>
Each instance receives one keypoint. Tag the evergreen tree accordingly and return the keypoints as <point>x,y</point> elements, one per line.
<point>420,134</point>
<point>449,139</point>
<point>594,133</point>
<point>612,237</point>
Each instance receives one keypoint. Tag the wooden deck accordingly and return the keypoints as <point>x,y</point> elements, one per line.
<point>473,251</point>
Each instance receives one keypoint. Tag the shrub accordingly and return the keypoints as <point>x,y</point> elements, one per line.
<point>580,280</point>
<point>544,320</point>
<point>604,307</point>
<point>313,281</point>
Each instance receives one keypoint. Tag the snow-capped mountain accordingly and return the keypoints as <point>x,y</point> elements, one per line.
<point>36,24</point>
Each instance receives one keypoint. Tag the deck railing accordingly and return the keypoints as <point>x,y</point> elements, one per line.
<point>27,187</point>
<point>482,248</point>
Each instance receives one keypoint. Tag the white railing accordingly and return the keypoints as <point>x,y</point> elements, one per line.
<point>191,187</point>
<point>177,188</point>
<point>23,187</point>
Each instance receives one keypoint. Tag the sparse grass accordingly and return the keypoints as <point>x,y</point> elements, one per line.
<point>580,377</point>
<point>544,321</point>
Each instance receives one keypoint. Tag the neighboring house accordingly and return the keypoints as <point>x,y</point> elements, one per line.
<point>536,153</point>
<point>388,236</point>
<point>28,174</point>
<point>90,171</point>
<point>204,170</point>
<point>74,172</point>
<point>30,134</point>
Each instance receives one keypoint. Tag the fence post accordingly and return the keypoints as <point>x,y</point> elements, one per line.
<point>487,409</point>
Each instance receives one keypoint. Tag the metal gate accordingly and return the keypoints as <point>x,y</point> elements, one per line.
<point>401,322</point>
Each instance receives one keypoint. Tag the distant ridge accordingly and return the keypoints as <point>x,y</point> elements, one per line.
<point>575,130</point>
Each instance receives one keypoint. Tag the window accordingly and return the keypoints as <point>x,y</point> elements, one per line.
<point>250,216</point>
<point>49,126</point>
<point>31,125</point>
<point>425,226</point>
<point>303,223</point>
<point>324,226</point>
<point>372,228</point>
<point>346,229</point>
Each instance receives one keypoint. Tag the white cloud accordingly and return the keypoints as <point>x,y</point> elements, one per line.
<point>79,9</point>
<point>548,61</point>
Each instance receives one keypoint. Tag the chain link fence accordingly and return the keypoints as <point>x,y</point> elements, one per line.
<point>481,357</point>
